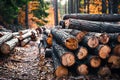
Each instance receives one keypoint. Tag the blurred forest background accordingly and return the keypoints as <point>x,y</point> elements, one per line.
<point>16,14</point>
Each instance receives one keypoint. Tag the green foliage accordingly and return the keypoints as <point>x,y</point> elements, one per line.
<point>41,11</point>
<point>9,9</point>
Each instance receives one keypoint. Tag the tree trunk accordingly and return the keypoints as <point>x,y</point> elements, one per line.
<point>94,17</point>
<point>104,71</point>
<point>114,62</point>
<point>21,32</point>
<point>66,57</point>
<point>5,38</point>
<point>59,69</point>
<point>25,41</point>
<point>65,38</point>
<point>92,26</point>
<point>103,51</point>
<point>116,50</point>
<point>104,6</point>
<point>81,53</point>
<point>90,41</point>
<point>78,34</point>
<point>8,46</point>
<point>25,36</point>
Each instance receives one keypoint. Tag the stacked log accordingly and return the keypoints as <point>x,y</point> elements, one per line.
<point>87,47</point>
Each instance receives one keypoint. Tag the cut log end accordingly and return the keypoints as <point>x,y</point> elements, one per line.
<point>49,40</point>
<point>82,53</point>
<point>95,62</point>
<point>114,61</point>
<point>104,72</point>
<point>116,50</point>
<point>61,71</point>
<point>93,42</point>
<point>68,59</point>
<point>80,35</point>
<point>104,38</point>
<point>5,49</point>
<point>118,38</point>
<point>82,69</point>
<point>71,43</point>
<point>104,51</point>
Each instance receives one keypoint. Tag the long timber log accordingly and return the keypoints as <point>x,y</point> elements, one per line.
<point>94,17</point>
<point>25,41</point>
<point>22,37</point>
<point>103,51</point>
<point>8,46</point>
<point>21,32</point>
<point>5,38</point>
<point>65,38</point>
<point>92,26</point>
<point>66,57</point>
<point>59,69</point>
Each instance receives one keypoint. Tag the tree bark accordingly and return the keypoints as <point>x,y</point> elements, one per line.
<point>65,38</point>
<point>66,57</point>
<point>8,46</point>
<point>21,32</point>
<point>59,69</point>
<point>114,37</point>
<point>92,26</point>
<point>103,51</point>
<point>94,17</point>
<point>5,38</point>
<point>22,37</point>
<point>25,41</point>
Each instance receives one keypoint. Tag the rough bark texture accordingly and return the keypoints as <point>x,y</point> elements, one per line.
<point>25,36</point>
<point>65,38</point>
<point>5,38</point>
<point>94,17</point>
<point>59,69</point>
<point>8,46</point>
<point>66,57</point>
<point>25,41</point>
<point>92,26</point>
<point>114,37</point>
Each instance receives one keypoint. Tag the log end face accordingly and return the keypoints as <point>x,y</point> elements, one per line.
<point>71,43</point>
<point>82,69</point>
<point>116,50</point>
<point>93,42</point>
<point>68,59</point>
<point>80,35</point>
<point>67,22</point>
<point>61,71</point>
<point>5,49</point>
<point>95,62</point>
<point>104,51</point>
<point>82,53</point>
<point>104,38</point>
<point>104,72</point>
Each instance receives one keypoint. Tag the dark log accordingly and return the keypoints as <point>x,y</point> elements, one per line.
<point>48,53</point>
<point>59,69</point>
<point>94,17</point>
<point>22,37</point>
<point>90,41</point>
<point>78,34</point>
<point>65,38</point>
<point>92,26</point>
<point>103,51</point>
<point>8,46</point>
<point>104,71</point>
<point>44,42</point>
<point>81,53</point>
<point>94,61</point>
<point>116,50</point>
<point>114,37</point>
<point>5,38</point>
<point>1,34</point>
<point>62,23</point>
<point>114,62</point>
<point>66,57</point>
<point>25,41</point>
<point>82,69</point>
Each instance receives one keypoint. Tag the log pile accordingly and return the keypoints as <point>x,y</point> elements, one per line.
<point>86,47</point>
<point>9,40</point>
